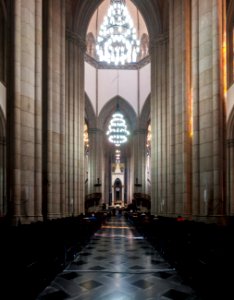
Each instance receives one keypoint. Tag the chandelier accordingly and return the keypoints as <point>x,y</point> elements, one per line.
<point>117,155</point>
<point>117,130</point>
<point>117,41</point>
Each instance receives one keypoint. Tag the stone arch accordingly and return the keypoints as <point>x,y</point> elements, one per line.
<point>131,120</point>
<point>89,113</point>
<point>150,11</point>
<point>230,125</point>
<point>118,189</point>
<point>125,108</point>
<point>145,113</point>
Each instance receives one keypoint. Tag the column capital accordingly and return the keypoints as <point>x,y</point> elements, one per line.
<point>77,39</point>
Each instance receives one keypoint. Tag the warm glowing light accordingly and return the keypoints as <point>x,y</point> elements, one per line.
<point>191,113</point>
<point>224,64</point>
<point>86,138</point>
<point>148,140</point>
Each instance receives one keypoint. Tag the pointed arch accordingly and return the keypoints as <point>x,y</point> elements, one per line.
<point>145,113</point>
<point>150,10</point>
<point>90,115</point>
<point>230,125</point>
<point>110,107</point>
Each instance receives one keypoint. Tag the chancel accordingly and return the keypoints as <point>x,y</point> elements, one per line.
<point>116,149</point>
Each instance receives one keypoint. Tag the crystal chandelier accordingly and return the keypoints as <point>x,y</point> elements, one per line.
<point>117,41</point>
<point>117,130</point>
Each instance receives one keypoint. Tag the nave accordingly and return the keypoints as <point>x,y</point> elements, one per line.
<point>118,264</point>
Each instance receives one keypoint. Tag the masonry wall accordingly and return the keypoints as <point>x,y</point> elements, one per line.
<point>188,112</point>
<point>45,115</point>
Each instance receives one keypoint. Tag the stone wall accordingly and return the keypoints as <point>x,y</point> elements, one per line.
<point>187,112</point>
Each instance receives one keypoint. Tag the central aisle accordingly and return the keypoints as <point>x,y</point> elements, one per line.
<point>118,264</point>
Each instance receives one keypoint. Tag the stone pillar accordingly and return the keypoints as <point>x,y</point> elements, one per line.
<point>54,109</point>
<point>96,161</point>
<point>38,111</point>
<point>107,177</point>
<point>139,153</point>
<point>195,98</point>
<point>93,168</point>
<point>24,113</point>
<point>130,174</point>
<point>160,159</point>
<point>75,182</point>
<point>180,107</point>
<point>208,107</point>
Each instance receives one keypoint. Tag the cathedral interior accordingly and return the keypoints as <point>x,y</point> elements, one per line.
<point>117,149</point>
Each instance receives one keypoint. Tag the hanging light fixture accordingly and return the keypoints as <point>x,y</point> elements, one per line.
<point>117,155</point>
<point>117,41</point>
<point>117,130</point>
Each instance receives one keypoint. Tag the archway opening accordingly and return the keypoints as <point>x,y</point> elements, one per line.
<point>105,85</point>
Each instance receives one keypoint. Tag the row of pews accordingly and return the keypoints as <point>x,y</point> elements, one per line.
<point>31,255</point>
<point>202,253</point>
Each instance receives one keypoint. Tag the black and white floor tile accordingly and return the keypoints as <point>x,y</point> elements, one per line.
<point>118,264</point>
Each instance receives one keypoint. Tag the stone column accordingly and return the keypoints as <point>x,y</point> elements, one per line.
<point>159,124</point>
<point>54,109</point>
<point>130,174</point>
<point>38,111</point>
<point>24,111</point>
<point>177,113</point>
<point>107,177</point>
<point>75,182</point>
<point>208,107</point>
<point>139,153</point>
<point>195,93</point>
<point>96,161</point>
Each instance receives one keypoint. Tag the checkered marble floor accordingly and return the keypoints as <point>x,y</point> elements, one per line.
<point>118,264</point>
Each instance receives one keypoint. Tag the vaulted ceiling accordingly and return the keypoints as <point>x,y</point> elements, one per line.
<point>154,12</point>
